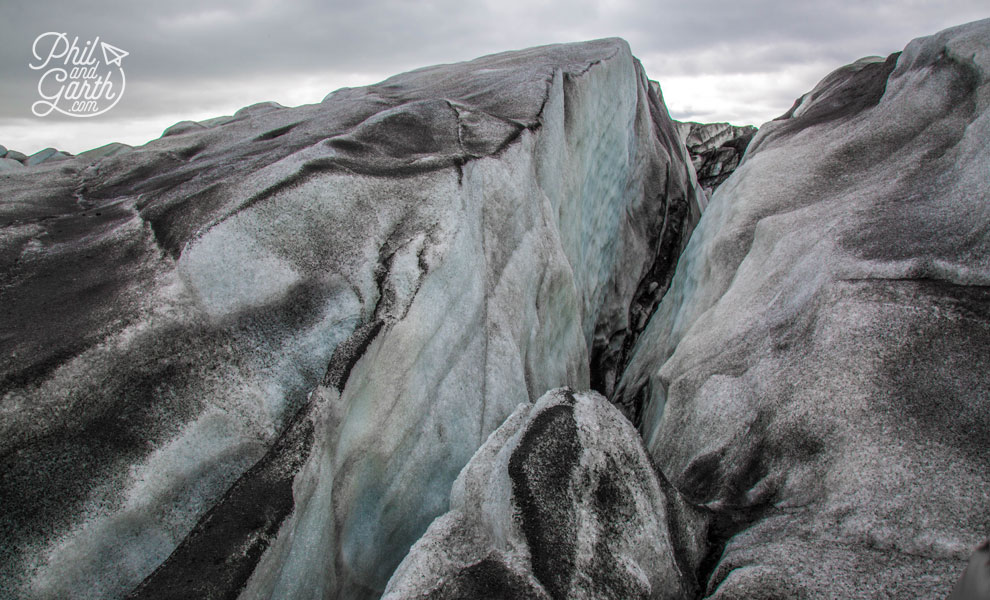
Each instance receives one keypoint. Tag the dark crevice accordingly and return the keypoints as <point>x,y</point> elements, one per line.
<point>189,152</point>
<point>723,527</point>
<point>676,510</point>
<point>274,133</point>
<point>348,352</point>
<point>667,238</point>
<point>608,360</point>
<point>723,488</point>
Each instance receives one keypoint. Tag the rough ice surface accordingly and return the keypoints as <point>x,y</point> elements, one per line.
<point>509,312</point>
<point>816,376</point>
<point>250,358</point>
<point>258,357</point>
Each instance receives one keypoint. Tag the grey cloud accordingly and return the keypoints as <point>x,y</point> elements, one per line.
<point>181,46</point>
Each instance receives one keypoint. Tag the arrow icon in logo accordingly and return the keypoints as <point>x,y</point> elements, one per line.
<point>113,51</point>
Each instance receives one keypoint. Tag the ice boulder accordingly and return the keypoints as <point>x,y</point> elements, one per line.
<point>562,501</point>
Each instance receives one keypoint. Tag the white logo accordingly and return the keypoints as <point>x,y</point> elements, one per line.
<point>76,83</point>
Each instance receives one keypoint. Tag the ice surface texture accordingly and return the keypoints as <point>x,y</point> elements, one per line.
<point>817,374</point>
<point>251,357</point>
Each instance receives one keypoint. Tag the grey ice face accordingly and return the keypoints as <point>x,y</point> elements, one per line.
<point>821,358</point>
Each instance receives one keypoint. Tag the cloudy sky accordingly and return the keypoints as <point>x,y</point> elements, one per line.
<point>742,61</point>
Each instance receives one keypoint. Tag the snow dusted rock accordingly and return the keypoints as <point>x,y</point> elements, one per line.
<point>111,149</point>
<point>259,108</point>
<point>43,156</point>
<point>183,127</point>
<point>562,501</point>
<point>15,155</point>
<point>6,164</point>
<point>817,374</point>
<point>249,360</point>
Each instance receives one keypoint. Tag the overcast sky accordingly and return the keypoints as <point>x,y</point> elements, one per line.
<point>739,61</point>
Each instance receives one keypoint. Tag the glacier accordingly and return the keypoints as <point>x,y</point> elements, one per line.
<point>288,330</point>
<point>504,328</point>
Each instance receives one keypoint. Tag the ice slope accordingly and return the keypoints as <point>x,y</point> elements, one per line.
<point>817,374</point>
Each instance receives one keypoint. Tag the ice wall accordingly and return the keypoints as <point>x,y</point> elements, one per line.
<point>270,341</point>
